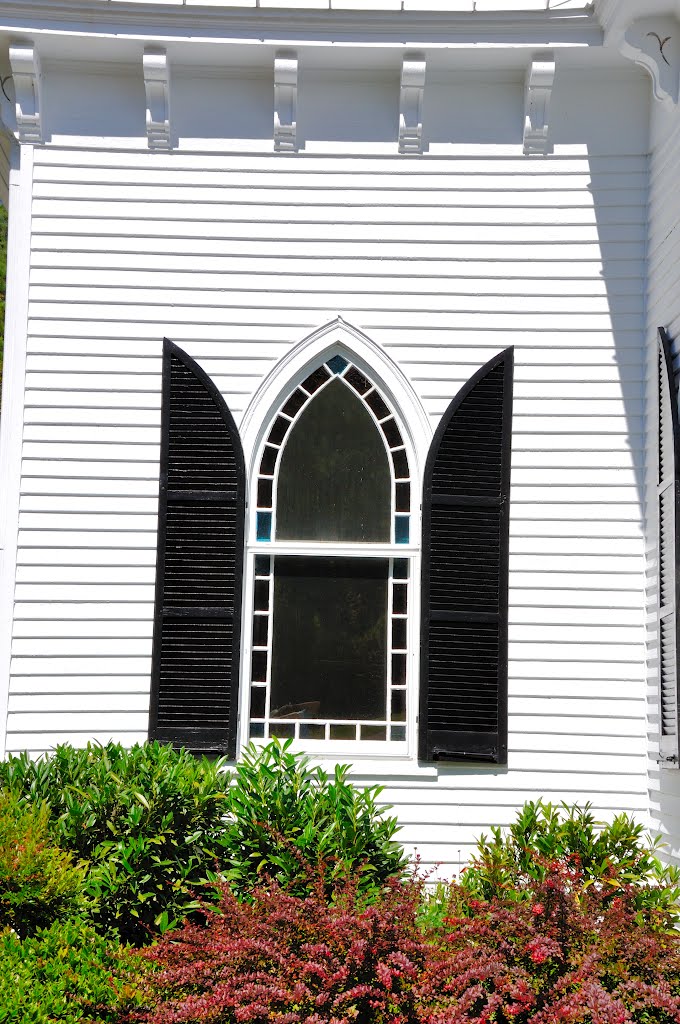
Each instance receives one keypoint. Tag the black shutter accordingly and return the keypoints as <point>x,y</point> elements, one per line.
<point>199,568</point>
<point>463,704</point>
<point>668,502</point>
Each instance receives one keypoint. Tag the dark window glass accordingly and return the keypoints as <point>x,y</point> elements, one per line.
<point>399,633</point>
<point>282,730</point>
<point>316,379</point>
<point>399,705</point>
<point>258,696</point>
<point>260,631</point>
<point>400,463</point>
<point>358,381</point>
<point>264,493</point>
<point>268,463</point>
<point>261,595</point>
<point>279,430</point>
<point>334,478</point>
<point>329,638</point>
<point>399,599</point>
<point>378,406</point>
<point>398,669</point>
<point>392,433</point>
<point>259,668</point>
<point>295,403</point>
<point>262,565</point>
<point>403,497</point>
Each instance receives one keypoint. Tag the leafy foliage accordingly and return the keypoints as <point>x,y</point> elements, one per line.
<point>569,953</point>
<point>147,819</point>
<point>280,809</point>
<point>65,973</point>
<point>287,958</point>
<point>39,883</point>
<point>543,835</point>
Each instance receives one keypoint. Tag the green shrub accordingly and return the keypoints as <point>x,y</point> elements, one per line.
<point>65,973</point>
<point>39,882</point>
<point>285,815</point>
<point>146,819</point>
<point>544,835</point>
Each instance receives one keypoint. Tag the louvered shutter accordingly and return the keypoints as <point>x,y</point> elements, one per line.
<point>668,491</point>
<point>463,706</point>
<point>199,567</point>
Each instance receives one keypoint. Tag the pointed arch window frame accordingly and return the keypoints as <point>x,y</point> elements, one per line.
<point>340,339</point>
<point>401,558</point>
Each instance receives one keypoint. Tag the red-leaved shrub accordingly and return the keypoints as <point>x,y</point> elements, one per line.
<point>571,953</point>
<point>286,959</point>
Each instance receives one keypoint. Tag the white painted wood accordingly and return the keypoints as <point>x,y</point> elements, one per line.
<point>438,262</point>
<point>18,261</point>
<point>157,87</point>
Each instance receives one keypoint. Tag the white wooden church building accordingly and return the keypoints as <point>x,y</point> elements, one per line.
<point>339,398</point>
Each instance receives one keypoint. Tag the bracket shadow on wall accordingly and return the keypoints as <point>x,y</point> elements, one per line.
<point>197,624</point>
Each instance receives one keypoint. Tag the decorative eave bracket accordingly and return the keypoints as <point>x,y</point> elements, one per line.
<point>654,44</point>
<point>285,102</point>
<point>411,103</point>
<point>157,87</point>
<point>27,77</point>
<point>537,94</point>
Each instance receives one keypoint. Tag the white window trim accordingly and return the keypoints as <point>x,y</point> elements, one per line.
<point>338,338</point>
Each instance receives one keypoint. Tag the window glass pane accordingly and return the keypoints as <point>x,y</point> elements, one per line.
<point>329,638</point>
<point>334,480</point>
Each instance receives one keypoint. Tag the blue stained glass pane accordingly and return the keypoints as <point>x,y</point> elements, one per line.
<point>337,364</point>
<point>264,526</point>
<point>401,530</point>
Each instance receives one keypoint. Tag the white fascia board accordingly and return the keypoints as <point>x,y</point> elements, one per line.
<point>159,23</point>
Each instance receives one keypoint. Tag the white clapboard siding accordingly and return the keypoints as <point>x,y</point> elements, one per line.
<point>664,311</point>
<point>443,261</point>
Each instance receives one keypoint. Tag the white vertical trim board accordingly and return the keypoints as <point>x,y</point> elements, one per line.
<point>11,421</point>
<point>663,311</point>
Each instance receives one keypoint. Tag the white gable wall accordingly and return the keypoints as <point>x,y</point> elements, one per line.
<point>236,253</point>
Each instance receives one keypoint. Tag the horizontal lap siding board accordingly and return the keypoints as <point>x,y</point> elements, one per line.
<point>663,311</point>
<point>520,260</point>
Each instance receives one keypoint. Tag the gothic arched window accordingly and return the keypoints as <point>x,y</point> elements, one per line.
<point>331,574</point>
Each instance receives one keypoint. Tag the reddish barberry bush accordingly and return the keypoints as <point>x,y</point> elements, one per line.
<point>571,953</point>
<point>286,958</point>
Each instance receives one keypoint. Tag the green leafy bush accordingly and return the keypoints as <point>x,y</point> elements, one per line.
<point>147,819</point>
<point>283,813</point>
<point>543,835</point>
<point>65,973</point>
<point>39,882</point>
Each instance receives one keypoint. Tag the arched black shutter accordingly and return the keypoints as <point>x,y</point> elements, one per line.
<point>668,503</point>
<point>463,705</point>
<point>195,670</point>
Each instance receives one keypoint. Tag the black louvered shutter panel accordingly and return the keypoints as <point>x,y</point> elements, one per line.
<point>668,494</point>
<point>463,707</point>
<point>194,690</point>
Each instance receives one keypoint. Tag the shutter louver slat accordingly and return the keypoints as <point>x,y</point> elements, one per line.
<point>668,508</point>
<point>200,563</point>
<point>463,708</point>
